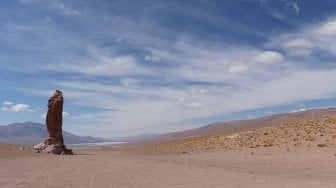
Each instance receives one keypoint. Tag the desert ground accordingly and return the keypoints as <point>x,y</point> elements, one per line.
<point>292,154</point>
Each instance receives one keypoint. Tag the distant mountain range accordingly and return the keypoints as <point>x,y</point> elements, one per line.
<point>31,133</point>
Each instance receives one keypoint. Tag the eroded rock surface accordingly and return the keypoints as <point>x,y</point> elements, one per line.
<point>54,143</point>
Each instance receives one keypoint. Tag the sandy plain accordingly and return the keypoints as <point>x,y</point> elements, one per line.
<point>108,167</point>
<point>292,154</point>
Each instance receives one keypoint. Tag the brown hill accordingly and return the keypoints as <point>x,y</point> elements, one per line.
<point>313,128</point>
<point>244,125</point>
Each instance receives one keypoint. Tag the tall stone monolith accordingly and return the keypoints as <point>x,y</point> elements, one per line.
<point>54,143</point>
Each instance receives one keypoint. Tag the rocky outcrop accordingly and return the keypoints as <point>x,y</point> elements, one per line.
<point>54,143</point>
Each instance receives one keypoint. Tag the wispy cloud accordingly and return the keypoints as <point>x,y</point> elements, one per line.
<point>298,46</point>
<point>296,7</point>
<point>65,9</point>
<point>327,29</point>
<point>136,105</point>
<point>53,5</point>
<point>7,103</point>
<point>101,63</point>
<point>132,71</point>
<point>317,37</point>
<point>269,57</point>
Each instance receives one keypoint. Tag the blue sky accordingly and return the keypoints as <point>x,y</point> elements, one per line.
<point>150,66</point>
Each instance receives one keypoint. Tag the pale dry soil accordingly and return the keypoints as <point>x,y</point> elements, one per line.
<point>292,154</point>
<point>106,167</point>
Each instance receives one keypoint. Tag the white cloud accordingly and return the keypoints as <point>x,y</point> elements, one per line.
<point>192,98</point>
<point>278,15</point>
<point>65,9</point>
<point>197,91</point>
<point>298,46</point>
<point>127,82</point>
<point>314,37</point>
<point>195,105</point>
<point>7,103</point>
<point>238,68</point>
<point>48,19</point>
<point>151,58</point>
<point>327,29</point>
<point>298,43</point>
<point>214,64</point>
<point>102,63</point>
<point>65,114</point>
<point>9,106</point>
<point>4,109</point>
<point>19,108</point>
<point>269,57</point>
<point>296,7</point>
